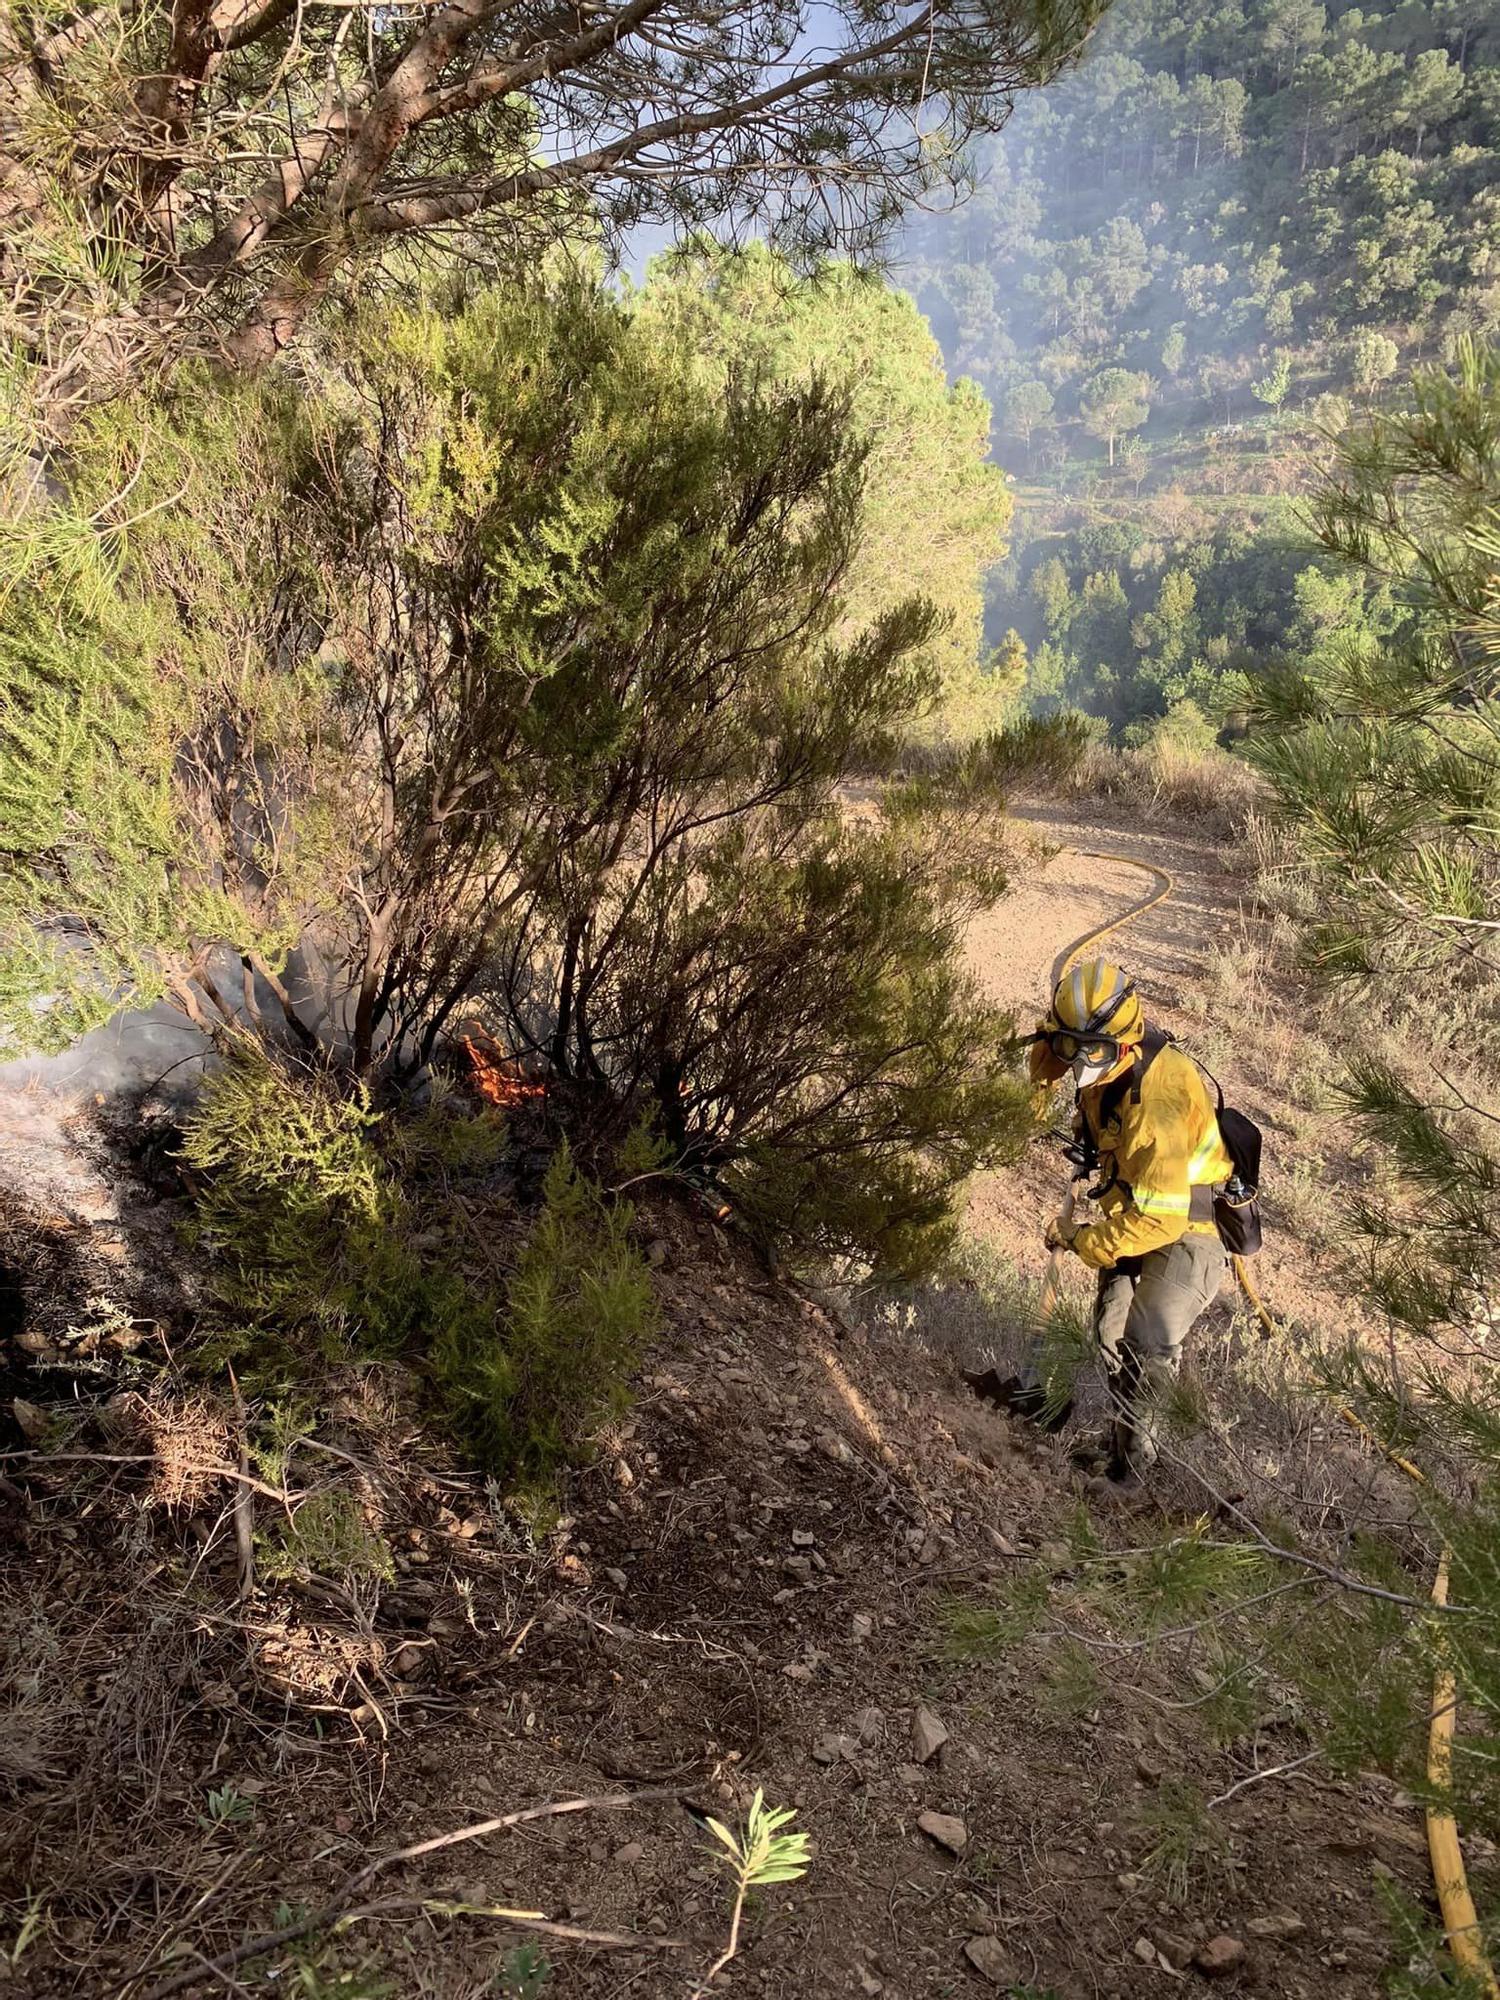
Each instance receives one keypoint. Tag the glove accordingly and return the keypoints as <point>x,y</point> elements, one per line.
<point>1056,1236</point>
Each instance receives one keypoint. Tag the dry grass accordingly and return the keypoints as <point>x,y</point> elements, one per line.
<point>186,1436</point>
<point>1164,783</point>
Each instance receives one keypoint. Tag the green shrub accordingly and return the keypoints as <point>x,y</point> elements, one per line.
<point>327,1536</point>
<point>402,704</point>
<point>578,1309</point>
<point>317,1215</point>
<point>1187,1847</point>
<point>302,1220</point>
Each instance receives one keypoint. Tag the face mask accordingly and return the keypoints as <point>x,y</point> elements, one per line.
<point>1085,1073</point>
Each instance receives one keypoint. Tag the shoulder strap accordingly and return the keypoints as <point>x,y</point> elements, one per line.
<point>1218,1087</point>
<point>1152,1043</point>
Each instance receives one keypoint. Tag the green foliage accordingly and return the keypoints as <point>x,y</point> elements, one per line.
<point>317,1975</point>
<point>136,609</point>
<point>1028,408</point>
<point>316,1216</point>
<point>652,884</point>
<point>578,1310</point>
<point>1071,1684</point>
<point>1265,176</point>
<point>509,668</point>
<point>935,512</point>
<point>1257,211</point>
<point>1383,753</point>
<point>224,1806</point>
<point>299,1214</point>
<point>492,152</point>
<point>989,1630</point>
<point>285,1421</point>
<point>1112,402</point>
<point>326,1536</point>
<point>1271,388</point>
<point>525,1973</point>
<point>1185,1844</point>
<point>1382,760</point>
<point>1134,624</point>
<point>1372,360</point>
<point>643,1152</point>
<point>1182,1575</point>
<point>762,1854</point>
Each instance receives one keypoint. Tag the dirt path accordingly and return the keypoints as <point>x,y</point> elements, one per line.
<point>1012,948</point>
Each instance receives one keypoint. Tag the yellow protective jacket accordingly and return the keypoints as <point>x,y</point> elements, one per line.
<point>1160,1158</point>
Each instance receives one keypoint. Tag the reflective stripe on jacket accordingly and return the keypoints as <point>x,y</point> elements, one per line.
<point>1162,1158</point>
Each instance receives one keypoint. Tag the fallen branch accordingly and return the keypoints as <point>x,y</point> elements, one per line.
<point>338,1911</point>
<point>533,1920</point>
<point>281,1493</point>
<point>244,1500</point>
<point>1272,1771</point>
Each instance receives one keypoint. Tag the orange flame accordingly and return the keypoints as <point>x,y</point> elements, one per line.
<point>499,1079</point>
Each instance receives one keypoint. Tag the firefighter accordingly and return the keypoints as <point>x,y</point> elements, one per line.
<point>1146,1125</point>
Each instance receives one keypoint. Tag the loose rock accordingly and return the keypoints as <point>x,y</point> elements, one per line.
<point>1278,1924</point>
<point>988,1957</point>
<point>945,1829</point>
<point>1220,1955</point>
<point>927,1735</point>
<point>1178,1951</point>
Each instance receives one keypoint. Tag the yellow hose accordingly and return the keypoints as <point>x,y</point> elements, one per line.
<point>1460,1918</point>
<point>1450,1878</point>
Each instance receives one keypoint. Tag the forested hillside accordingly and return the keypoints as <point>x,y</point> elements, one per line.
<point>1185,265</point>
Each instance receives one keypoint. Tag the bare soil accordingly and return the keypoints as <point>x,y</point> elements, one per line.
<point>756,1584</point>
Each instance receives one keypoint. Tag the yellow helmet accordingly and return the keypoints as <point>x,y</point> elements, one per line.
<point>1095,1000</point>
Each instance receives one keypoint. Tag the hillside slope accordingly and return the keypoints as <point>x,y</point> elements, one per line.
<point>806,1532</point>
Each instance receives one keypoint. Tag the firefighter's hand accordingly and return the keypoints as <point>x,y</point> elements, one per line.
<point>1059,1235</point>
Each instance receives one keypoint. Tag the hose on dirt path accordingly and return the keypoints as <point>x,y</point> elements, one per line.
<point>1450,1878</point>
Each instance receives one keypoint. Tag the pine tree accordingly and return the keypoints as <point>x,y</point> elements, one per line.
<point>1385,762</point>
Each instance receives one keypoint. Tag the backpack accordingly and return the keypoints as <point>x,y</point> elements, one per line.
<point>1237,1205</point>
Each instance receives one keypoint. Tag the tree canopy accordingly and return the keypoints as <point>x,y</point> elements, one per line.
<point>1263,212</point>
<point>935,511</point>
<point>207,169</point>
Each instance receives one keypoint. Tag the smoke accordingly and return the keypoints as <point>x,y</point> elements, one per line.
<point>139,1050</point>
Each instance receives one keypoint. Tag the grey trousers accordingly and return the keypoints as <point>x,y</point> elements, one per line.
<point>1144,1311</point>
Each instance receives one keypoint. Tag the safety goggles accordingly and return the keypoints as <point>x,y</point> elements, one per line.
<point>1093,1049</point>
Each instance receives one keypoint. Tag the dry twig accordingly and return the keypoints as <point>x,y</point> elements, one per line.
<point>244,1500</point>
<point>339,1911</point>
